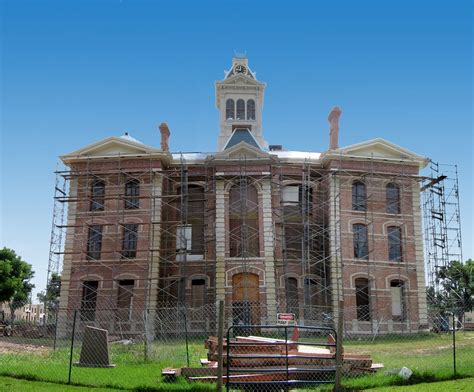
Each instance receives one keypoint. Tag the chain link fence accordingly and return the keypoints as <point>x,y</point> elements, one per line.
<point>257,354</point>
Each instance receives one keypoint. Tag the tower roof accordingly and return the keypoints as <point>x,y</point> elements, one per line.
<point>241,135</point>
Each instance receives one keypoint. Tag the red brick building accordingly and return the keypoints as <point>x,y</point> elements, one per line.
<point>266,230</point>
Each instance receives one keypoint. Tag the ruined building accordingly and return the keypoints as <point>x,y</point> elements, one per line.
<point>265,229</point>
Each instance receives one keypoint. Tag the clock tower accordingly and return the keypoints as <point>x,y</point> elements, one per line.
<point>239,98</point>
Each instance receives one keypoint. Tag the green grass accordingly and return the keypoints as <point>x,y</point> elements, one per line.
<point>13,384</point>
<point>428,356</point>
<point>465,384</point>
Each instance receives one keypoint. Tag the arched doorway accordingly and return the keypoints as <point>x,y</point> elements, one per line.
<point>245,299</point>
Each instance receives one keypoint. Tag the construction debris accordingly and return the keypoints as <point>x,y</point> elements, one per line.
<point>278,360</point>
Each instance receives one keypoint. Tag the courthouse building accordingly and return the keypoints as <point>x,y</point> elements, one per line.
<point>264,229</point>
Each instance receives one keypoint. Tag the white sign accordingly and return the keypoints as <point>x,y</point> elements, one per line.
<point>286,319</point>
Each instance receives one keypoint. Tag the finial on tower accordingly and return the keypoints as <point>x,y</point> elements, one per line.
<point>334,127</point>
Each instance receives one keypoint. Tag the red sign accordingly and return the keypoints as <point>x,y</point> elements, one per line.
<point>286,318</point>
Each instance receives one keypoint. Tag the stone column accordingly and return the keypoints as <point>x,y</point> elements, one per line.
<point>419,255</point>
<point>220,240</point>
<point>335,243</point>
<point>154,261</point>
<point>269,250</point>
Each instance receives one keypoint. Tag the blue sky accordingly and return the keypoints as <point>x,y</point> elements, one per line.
<point>74,72</point>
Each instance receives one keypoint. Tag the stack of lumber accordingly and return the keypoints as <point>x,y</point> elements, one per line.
<point>255,358</point>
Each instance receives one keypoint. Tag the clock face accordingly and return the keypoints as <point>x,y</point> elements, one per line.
<point>240,69</point>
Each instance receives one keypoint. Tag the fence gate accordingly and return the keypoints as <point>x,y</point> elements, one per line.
<point>280,357</point>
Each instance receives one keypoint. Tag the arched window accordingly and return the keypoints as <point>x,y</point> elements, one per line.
<point>361,241</point>
<point>362,299</point>
<point>240,109</point>
<point>359,196</point>
<point>394,243</point>
<point>250,109</point>
<point>243,221</point>
<point>97,195</point>
<point>132,193</point>
<point>230,109</point>
<point>397,293</point>
<point>393,198</point>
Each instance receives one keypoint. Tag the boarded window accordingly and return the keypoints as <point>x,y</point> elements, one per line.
<point>198,292</point>
<point>89,300</point>
<point>250,109</point>
<point>130,240</point>
<point>359,196</point>
<point>230,109</point>
<point>393,198</point>
<point>243,221</point>
<point>132,193</point>
<point>398,303</point>
<point>94,242</point>
<point>124,299</point>
<point>362,299</point>
<point>394,243</point>
<point>196,218</point>
<point>361,243</point>
<point>290,195</point>
<point>97,195</point>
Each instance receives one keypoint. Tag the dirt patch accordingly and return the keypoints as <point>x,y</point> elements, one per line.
<point>16,348</point>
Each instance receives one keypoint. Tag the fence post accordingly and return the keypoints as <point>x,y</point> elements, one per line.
<point>145,342</point>
<point>454,344</point>
<point>220,343</point>
<point>55,329</point>
<point>186,333</point>
<point>339,355</point>
<point>72,346</point>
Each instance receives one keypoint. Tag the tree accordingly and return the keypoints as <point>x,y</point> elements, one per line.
<point>50,297</point>
<point>15,280</point>
<point>457,288</point>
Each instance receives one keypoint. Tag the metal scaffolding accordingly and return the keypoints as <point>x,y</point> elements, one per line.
<point>441,219</point>
<point>304,208</point>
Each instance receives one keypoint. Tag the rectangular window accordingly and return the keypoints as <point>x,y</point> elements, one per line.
<point>132,193</point>
<point>393,199</point>
<point>198,290</point>
<point>184,238</point>
<point>130,240</point>
<point>394,243</point>
<point>124,299</point>
<point>89,300</point>
<point>97,196</point>
<point>359,196</point>
<point>94,242</point>
<point>361,244</point>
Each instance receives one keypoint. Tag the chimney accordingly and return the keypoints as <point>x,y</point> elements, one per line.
<point>165,135</point>
<point>334,127</point>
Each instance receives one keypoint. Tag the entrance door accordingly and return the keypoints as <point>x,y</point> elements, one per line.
<point>245,299</point>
